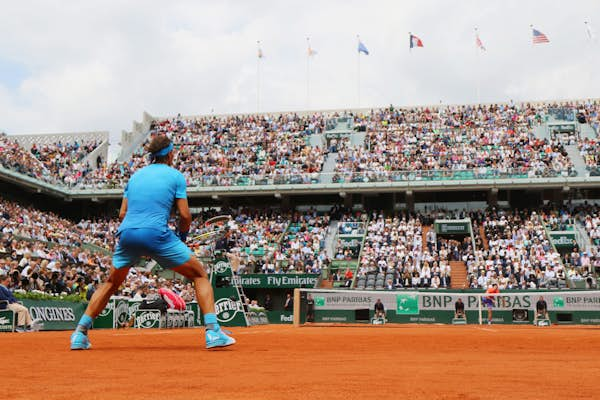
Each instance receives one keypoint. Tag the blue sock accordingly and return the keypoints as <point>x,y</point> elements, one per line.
<point>210,320</point>
<point>85,323</point>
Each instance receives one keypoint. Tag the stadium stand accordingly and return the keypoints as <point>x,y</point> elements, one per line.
<point>487,142</point>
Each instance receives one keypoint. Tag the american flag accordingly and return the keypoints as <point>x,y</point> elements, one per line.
<point>539,37</point>
<point>479,43</point>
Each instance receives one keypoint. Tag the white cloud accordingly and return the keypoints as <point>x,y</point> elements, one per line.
<point>98,65</point>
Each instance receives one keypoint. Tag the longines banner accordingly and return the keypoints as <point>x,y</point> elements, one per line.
<point>55,314</point>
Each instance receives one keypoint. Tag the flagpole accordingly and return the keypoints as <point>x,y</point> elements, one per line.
<point>478,67</point>
<point>358,70</point>
<point>258,77</point>
<point>308,74</point>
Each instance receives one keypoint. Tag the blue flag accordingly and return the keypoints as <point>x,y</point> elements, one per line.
<point>362,48</point>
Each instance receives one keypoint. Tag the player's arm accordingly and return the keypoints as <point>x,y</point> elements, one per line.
<point>185,217</point>
<point>123,209</point>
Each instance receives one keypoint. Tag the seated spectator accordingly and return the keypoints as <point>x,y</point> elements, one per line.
<point>541,309</point>
<point>379,310</point>
<point>459,309</point>
<point>8,300</point>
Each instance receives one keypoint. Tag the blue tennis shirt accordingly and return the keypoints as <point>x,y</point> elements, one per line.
<point>151,193</point>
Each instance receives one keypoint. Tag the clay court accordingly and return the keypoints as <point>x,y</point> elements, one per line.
<point>282,362</point>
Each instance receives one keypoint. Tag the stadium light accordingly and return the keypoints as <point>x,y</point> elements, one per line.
<point>342,194</point>
<point>277,195</point>
<point>566,188</point>
<point>215,197</point>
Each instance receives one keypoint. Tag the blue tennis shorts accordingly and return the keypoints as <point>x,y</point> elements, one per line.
<point>163,246</point>
<point>488,302</point>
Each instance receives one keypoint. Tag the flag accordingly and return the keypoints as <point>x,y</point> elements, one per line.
<point>260,52</point>
<point>362,48</point>
<point>539,37</point>
<point>415,41</point>
<point>589,31</point>
<point>479,43</point>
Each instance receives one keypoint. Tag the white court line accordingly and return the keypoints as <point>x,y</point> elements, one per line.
<point>488,329</point>
<point>137,332</point>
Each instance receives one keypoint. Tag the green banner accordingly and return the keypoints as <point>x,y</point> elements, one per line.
<point>7,321</point>
<point>228,303</point>
<point>147,319</point>
<point>452,226</point>
<point>115,314</point>
<point>105,320</point>
<point>280,317</point>
<point>55,315</point>
<point>277,281</point>
<point>407,304</point>
<point>197,316</point>
<point>352,242</point>
<point>563,239</point>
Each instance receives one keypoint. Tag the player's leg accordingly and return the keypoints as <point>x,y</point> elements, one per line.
<point>489,315</point>
<point>170,252</point>
<point>194,271</point>
<point>79,339</point>
<point>102,295</point>
<point>126,255</point>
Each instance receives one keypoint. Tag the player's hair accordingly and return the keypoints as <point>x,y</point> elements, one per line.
<point>158,143</point>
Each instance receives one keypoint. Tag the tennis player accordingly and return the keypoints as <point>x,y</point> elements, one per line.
<point>147,202</point>
<point>489,300</point>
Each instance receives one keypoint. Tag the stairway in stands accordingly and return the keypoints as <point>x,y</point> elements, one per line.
<point>486,246</point>
<point>458,270</point>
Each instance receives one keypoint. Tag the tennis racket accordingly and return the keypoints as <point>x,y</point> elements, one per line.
<point>212,230</point>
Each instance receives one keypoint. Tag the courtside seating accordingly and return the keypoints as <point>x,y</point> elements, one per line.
<point>6,314</point>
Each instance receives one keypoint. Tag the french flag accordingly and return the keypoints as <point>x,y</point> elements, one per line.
<point>415,41</point>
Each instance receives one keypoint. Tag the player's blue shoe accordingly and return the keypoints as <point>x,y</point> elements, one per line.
<point>218,338</point>
<point>80,341</point>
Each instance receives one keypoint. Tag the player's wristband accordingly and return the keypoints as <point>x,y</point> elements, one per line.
<point>183,236</point>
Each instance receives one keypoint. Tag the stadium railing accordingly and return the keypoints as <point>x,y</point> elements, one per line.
<point>411,181</point>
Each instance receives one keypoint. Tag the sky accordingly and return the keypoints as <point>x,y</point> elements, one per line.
<point>75,66</point>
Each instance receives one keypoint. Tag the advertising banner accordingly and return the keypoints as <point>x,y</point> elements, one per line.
<point>352,242</point>
<point>277,281</point>
<point>452,226</point>
<point>7,321</point>
<point>55,314</point>
<point>228,302</point>
<point>416,302</point>
<point>563,239</point>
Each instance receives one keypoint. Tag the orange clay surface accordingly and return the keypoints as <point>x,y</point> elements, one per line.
<point>282,362</point>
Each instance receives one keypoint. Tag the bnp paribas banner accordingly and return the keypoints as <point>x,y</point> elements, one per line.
<point>277,281</point>
<point>410,303</point>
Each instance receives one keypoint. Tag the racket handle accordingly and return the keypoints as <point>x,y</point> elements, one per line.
<point>182,236</point>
